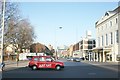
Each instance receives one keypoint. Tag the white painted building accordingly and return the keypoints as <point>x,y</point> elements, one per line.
<point>86,45</point>
<point>107,37</point>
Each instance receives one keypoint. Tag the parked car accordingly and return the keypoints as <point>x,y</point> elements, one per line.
<point>68,59</point>
<point>77,59</point>
<point>45,62</point>
<point>71,59</point>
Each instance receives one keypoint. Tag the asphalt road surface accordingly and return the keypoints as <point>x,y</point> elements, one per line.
<point>71,70</point>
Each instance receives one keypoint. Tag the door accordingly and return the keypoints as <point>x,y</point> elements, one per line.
<point>50,63</point>
<point>42,62</point>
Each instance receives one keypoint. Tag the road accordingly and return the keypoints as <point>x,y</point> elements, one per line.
<point>71,70</point>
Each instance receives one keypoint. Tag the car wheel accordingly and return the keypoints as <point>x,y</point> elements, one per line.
<point>58,68</point>
<point>34,67</point>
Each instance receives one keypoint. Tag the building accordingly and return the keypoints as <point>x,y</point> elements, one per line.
<point>62,51</point>
<point>70,51</point>
<point>10,52</point>
<point>107,34</point>
<point>84,47</point>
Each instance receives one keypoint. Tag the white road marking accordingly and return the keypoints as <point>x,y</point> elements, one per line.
<point>91,73</point>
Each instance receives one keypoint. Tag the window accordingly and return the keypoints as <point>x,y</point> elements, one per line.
<point>116,20</point>
<point>106,39</point>
<point>111,38</point>
<point>98,41</point>
<point>89,47</point>
<point>81,47</point>
<point>117,36</point>
<point>35,59</point>
<point>89,42</point>
<point>102,41</point>
<point>42,59</point>
<point>75,54</point>
<point>102,27</point>
<point>81,42</point>
<point>94,46</point>
<point>106,26</point>
<point>94,42</point>
<point>110,23</point>
<point>48,59</point>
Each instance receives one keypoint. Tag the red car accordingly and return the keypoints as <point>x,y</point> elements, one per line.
<point>38,62</point>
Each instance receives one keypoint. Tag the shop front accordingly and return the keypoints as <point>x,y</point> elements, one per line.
<point>102,54</point>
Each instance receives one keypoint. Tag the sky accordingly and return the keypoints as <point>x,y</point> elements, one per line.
<point>74,18</point>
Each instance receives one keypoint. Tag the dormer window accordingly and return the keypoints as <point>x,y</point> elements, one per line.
<point>106,14</point>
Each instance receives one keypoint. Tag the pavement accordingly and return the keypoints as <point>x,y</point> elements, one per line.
<point>11,64</point>
<point>108,65</point>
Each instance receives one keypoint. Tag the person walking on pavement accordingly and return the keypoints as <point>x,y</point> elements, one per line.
<point>2,65</point>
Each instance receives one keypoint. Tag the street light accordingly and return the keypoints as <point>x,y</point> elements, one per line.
<point>60,27</point>
<point>56,43</point>
<point>2,38</point>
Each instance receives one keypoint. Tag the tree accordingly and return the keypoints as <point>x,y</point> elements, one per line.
<point>23,35</point>
<point>11,15</point>
<point>18,32</point>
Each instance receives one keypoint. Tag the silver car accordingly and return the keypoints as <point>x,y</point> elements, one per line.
<point>77,59</point>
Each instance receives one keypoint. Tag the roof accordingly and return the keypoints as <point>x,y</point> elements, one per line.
<point>107,15</point>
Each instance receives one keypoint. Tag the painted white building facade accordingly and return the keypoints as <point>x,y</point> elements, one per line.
<point>107,37</point>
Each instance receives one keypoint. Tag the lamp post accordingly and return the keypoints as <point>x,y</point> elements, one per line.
<point>56,55</point>
<point>2,37</point>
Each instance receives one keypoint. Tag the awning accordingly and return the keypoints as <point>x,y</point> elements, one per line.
<point>100,49</point>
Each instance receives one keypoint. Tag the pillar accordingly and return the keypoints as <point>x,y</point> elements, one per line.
<point>89,56</point>
<point>100,58</point>
<point>94,54</point>
<point>103,56</point>
<point>114,57</point>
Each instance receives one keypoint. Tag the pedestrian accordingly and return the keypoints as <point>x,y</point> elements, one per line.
<point>17,60</point>
<point>2,65</point>
<point>83,58</point>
